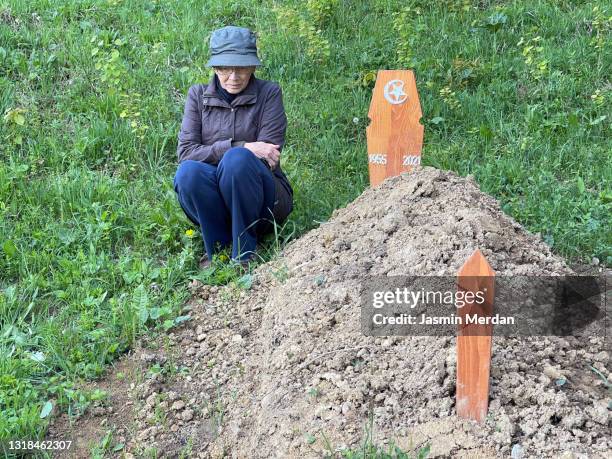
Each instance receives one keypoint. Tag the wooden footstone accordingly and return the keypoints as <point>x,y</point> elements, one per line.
<point>474,340</point>
<point>395,135</point>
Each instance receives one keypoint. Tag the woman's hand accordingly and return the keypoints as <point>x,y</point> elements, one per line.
<point>267,151</point>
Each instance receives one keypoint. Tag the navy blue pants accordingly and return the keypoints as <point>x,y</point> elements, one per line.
<point>231,202</point>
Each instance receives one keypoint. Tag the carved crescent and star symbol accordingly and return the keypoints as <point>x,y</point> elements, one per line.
<point>394,92</point>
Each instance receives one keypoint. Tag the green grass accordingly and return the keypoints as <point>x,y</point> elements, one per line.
<point>367,448</point>
<point>93,243</point>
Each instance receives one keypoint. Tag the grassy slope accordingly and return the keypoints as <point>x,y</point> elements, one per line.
<point>93,244</point>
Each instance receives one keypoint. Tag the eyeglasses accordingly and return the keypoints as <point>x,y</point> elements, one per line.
<point>226,71</point>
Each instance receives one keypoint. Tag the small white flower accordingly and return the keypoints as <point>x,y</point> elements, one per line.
<point>356,120</point>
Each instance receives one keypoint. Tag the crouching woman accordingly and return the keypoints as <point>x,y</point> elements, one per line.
<point>229,181</point>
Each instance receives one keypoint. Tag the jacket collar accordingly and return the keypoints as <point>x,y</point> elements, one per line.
<point>248,96</point>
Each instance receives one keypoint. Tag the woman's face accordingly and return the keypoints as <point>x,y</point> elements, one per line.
<point>234,79</point>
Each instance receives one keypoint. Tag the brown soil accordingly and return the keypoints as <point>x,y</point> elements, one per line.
<point>115,413</point>
<point>282,368</point>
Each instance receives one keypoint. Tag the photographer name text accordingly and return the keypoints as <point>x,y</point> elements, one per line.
<point>452,319</point>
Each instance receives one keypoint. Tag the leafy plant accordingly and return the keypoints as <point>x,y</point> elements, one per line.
<point>317,47</point>
<point>496,21</point>
<point>532,51</point>
<point>15,120</point>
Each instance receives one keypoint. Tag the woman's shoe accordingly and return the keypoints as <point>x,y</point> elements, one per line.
<point>204,261</point>
<point>244,264</point>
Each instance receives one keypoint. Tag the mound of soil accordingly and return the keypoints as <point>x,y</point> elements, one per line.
<point>282,369</point>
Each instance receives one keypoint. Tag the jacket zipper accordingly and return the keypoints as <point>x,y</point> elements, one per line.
<point>232,109</point>
<point>233,123</point>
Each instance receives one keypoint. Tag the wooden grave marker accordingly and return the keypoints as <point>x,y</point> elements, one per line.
<point>395,135</point>
<point>474,340</point>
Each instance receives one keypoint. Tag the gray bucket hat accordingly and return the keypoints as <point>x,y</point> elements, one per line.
<point>233,47</point>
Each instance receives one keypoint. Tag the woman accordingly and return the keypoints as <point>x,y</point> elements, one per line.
<point>229,180</point>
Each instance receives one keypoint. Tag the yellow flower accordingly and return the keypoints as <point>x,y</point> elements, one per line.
<point>189,233</point>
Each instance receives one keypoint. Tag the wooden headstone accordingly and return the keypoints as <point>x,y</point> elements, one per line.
<point>395,135</point>
<point>474,340</point>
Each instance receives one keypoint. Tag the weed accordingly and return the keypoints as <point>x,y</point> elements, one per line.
<point>368,449</point>
<point>607,383</point>
<point>305,28</point>
<point>533,51</point>
<point>215,408</point>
